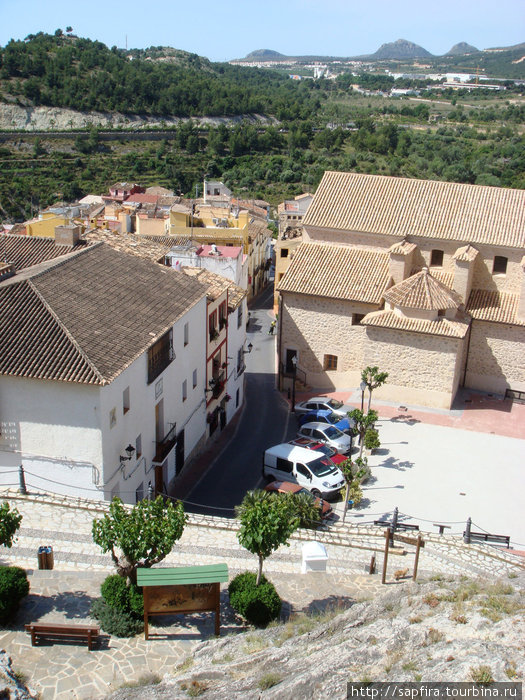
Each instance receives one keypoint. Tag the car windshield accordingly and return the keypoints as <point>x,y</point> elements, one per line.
<point>333,403</point>
<point>321,466</point>
<point>332,418</point>
<point>332,432</point>
<point>327,450</point>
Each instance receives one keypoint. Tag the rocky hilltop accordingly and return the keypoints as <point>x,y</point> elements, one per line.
<point>441,630</point>
<point>400,49</point>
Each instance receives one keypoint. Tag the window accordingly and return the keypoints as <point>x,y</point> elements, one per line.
<point>436,258</point>
<point>212,326</point>
<point>500,265</point>
<point>125,400</point>
<point>113,417</point>
<point>139,493</point>
<point>223,318</point>
<point>160,354</point>
<point>301,469</point>
<point>194,379</point>
<point>184,390</point>
<point>441,313</point>
<point>237,398</point>
<point>357,318</point>
<point>330,362</point>
<point>239,317</point>
<point>186,333</point>
<point>284,465</point>
<point>284,252</point>
<point>138,446</point>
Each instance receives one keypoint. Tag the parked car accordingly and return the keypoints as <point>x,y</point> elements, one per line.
<point>328,434</point>
<point>322,403</point>
<point>319,446</point>
<point>314,471</point>
<point>288,487</point>
<point>326,416</point>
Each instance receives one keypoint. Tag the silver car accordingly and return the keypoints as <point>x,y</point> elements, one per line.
<point>329,434</point>
<point>323,403</point>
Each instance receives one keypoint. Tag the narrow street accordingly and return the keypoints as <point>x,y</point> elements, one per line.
<point>264,421</point>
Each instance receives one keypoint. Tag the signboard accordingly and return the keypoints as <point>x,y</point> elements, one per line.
<point>409,540</point>
<point>187,589</point>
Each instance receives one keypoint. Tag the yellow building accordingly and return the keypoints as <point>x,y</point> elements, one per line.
<point>225,226</point>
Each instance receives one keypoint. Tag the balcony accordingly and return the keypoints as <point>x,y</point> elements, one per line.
<point>217,384</point>
<point>160,355</point>
<point>165,446</point>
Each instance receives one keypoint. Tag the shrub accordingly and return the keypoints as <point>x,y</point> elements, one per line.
<point>372,439</point>
<point>116,622</point>
<point>260,604</point>
<point>121,596</point>
<point>13,587</point>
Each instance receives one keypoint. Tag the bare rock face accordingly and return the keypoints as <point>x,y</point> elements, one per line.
<point>442,630</point>
<point>14,117</point>
<point>10,685</point>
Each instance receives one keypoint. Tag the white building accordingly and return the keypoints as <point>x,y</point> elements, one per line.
<point>100,351</point>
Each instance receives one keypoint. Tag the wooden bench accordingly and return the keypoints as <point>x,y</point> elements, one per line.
<point>487,537</point>
<point>399,526</point>
<point>52,630</point>
<point>441,527</point>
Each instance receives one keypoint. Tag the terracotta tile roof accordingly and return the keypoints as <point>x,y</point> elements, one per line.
<point>446,278</point>
<point>149,247</point>
<point>441,326</point>
<point>86,318</point>
<point>403,207</point>
<point>422,291</point>
<point>338,272</point>
<point>403,248</point>
<point>498,307</point>
<point>25,251</point>
<point>216,285</point>
<point>139,198</point>
<point>466,253</point>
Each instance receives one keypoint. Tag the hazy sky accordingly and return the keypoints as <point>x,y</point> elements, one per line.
<point>224,29</point>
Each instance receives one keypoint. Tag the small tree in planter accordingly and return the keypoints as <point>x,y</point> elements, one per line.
<point>373,378</point>
<point>372,439</point>
<point>354,473</point>
<point>9,523</point>
<point>142,536</point>
<point>362,422</point>
<point>267,522</point>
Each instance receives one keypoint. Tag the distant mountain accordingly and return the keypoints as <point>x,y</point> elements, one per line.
<point>461,49</point>
<point>400,49</point>
<point>264,55</point>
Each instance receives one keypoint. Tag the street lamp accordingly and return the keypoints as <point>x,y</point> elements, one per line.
<point>294,364</point>
<point>362,386</point>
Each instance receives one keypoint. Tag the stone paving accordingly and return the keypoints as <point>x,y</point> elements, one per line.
<point>70,671</point>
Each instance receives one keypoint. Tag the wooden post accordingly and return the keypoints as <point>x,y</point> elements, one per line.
<point>416,560</point>
<point>146,608</point>
<point>372,568</point>
<point>217,609</point>
<point>385,560</point>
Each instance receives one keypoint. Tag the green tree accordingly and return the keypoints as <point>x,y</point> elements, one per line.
<point>362,421</point>
<point>373,378</point>
<point>140,536</point>
<point>267,522</point>
<point>9,523</point>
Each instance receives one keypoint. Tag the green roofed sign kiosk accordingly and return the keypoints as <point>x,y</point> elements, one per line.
<point>186,589</point>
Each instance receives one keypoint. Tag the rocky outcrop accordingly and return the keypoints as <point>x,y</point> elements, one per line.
<point>442,630</point>
<point>11,686</point>
<point>15,117</point>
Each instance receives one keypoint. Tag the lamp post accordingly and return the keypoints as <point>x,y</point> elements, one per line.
<point>362,386</point>
<point>294,364</point>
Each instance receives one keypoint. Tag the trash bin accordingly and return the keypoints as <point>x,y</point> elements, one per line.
<point>45,557</point>
<point>314,557</point>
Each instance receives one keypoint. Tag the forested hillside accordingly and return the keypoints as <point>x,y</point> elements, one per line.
<point>66,71</point>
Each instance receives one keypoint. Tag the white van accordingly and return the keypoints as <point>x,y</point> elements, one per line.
<point>308,468</point>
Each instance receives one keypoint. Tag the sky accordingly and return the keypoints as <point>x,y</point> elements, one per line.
<point>223,29</point>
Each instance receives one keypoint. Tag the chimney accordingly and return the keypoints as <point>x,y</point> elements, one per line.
<point>521,304</point>
<point>68,234</point>
<point>464,259</point>
<point>400,261</point>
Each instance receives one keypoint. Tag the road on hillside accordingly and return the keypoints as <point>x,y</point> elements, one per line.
<point>265,420</point>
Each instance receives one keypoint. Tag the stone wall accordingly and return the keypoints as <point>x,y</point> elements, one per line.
<point>422,369</point>
<point>496,360</point>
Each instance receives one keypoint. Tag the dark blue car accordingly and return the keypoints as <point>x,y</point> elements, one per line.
<point>326,416</point>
